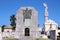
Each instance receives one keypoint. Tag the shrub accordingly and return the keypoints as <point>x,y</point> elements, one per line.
<point>42,39</point>
<point>10,39</point>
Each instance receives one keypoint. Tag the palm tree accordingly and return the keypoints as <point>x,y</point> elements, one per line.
<point>12,20</point>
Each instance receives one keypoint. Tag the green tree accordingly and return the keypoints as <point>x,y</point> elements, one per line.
<point>3,28</point>
<point>12,20</point>
<point>58,27</point>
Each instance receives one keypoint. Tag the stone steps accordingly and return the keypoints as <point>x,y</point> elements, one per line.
<point>27,38</point>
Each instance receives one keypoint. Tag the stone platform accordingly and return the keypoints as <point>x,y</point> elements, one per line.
<point>27,38</point>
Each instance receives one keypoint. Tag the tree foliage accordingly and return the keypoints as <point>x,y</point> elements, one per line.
<point>13,21</point>
<point>3,28</point>
<point>58,27</point>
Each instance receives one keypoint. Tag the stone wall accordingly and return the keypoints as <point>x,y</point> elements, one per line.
<point>8,34</point>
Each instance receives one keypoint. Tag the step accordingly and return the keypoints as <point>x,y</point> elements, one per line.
<point>27,38</point>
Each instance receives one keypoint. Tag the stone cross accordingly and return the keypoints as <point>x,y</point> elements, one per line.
<point>46,8</point>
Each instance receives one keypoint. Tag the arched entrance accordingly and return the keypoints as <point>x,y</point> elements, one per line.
<point>27,32</point>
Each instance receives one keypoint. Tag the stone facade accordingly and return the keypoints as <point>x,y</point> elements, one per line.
<point>50,25</point>
<point>26,26</point>
<point>8,28</point>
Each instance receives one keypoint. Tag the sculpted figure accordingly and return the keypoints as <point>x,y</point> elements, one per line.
<point>46,8</point>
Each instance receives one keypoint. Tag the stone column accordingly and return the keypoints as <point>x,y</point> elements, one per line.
<point>46,12</point>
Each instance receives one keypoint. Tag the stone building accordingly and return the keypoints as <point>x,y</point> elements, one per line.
<point>26,23</point>
<point>8,28</point>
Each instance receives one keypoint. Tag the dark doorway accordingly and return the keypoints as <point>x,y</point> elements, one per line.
<point>27,32</point>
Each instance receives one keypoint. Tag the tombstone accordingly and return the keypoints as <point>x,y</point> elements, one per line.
<point>53,35</point>
<point>0,33</point>
<point>26,23</point>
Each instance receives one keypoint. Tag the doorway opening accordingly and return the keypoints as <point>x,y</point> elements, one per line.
<point>27,32</point>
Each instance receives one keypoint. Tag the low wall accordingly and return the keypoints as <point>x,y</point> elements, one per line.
<point>8,34</point>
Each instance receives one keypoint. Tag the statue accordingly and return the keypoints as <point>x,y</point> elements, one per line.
<point>46,8</point>
<point>27,14</point>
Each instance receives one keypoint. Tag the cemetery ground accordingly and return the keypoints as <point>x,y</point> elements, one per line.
<point>17,39</point>
<point>10,38</point>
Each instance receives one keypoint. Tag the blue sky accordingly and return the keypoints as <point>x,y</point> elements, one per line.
<point>9,7</point>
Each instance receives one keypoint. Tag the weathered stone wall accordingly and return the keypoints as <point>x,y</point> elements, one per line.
<point>20,27</point>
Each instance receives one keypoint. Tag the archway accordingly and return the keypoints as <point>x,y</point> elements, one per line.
<point>27,32</point>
